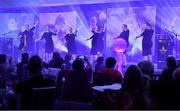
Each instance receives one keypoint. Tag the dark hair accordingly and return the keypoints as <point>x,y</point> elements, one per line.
<point>100,59</point>
<point>67,57</point>
<point>125,25</point>
<point>78,65</point>
<point>56,55</point>
<point>171,62</point>
<point>110,62</point>
<point>133,78</point>
<point>3,58</point>
<point>25,58</point>
<point>99,28</point>
<point>146,67</point>
<point>35,65</point>
<point>147,23</point>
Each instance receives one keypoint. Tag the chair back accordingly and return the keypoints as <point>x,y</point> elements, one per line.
<point>72,105</point>
<point>101,79</point>
<point>43,98</point>
<point>155,77</point>
<point>25,75</point>
<point>53,71</point>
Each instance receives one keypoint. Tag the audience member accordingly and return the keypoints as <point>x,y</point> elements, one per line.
<point>67,60</point>
<point>114,74</point>
<point>132,95</point>
<point>36,80</point>
<point>3,59</point>
<point>147,69</point>
<point>138,91</point>
<point>57,61</point>
<point>164,90</point>
<point>175,90</point>
<point>167,72</point>
<point>178,63</point>
<point>99,64</point>
<point>20,66</point>
<point>77,87</point>
<point>2,74</point>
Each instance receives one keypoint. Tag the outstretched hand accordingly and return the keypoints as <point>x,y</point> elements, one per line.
<point>36,23</point>
<point>37,39</point>
<point>86,58</point>
<point>137,37</point>
<point>87,39</point>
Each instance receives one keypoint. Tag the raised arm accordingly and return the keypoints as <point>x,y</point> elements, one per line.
<point>36,23</point>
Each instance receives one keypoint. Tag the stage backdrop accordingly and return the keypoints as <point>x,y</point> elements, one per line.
<point>134,17</point>
<point>170,19</point>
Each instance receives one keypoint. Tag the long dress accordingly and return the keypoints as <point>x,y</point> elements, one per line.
<point>97,43</point>
<point>71,43</point>
<point>29,40</point>
<point>49,45</point>
<point>147,42</point>
<point>21,35</point>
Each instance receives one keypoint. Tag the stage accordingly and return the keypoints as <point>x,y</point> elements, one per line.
<point>83,16</point>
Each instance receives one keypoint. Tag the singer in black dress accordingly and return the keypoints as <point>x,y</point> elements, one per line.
<point>28,38</point>
<point>124,35</point>
<point>49,45</point>
<point>147,42</point>
<point>21,36</point>
<point>28,34</point>
<point>97,43</point>
<point>70,42</point>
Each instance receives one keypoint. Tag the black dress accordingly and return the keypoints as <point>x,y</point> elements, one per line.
<point>21,35</point>
<point>71,43</point>
<point>29,40</point>
<point>125,35</point>
<point>147,42</point>
<point>49,46</point>
<point>97,43</point>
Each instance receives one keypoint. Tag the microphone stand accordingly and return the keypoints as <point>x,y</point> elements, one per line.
<point>176,35</point>
<point>4,34</point>
<point>10,40</point>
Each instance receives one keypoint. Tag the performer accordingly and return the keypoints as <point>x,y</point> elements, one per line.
<point>147,41</point>
<point>124,35</point>
<point>21,36</point>
<point>97,43</point>
<point>70,42</point>
<point>49,45</point>
<point>28,38</point>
